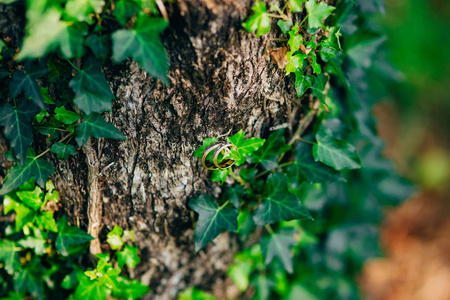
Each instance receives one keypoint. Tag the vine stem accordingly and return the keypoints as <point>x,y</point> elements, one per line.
<point>299,26</point>
<point>60,141</point>
<point>269,229</point>
<point>277,16</point>
<point>225,204</point>
<point>73,66</point>
<point>239,179</point>
<point>280,166</point>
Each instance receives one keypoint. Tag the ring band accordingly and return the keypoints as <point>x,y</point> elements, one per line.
<point>207,164</point>
<point>225,164</point>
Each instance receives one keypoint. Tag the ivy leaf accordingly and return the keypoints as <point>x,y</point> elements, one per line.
<point>279,204</point>
<point>25,82</point>
<point>335,153</point>
<point>248,174</point>
<point>26,279</point>
<point>259,21</point>
<point>91,289</point>
<point>317,12</point>
<point>128,256</point>
<point>268,154</point>
<point>47,221</point>
<point>50,128</point>
<point>125,9</point>
<point>212,220</point>
<point>9,255</point>
<point>303,82</point>
<point>332,41</point>
<point>307,169</point>
<point>99,45</point>
<point>129,289</point>
<point>47,31</point>
<point>246,147</point>
<point>296,5</point>
<point>38,245</point>
<point>143,44</point>
<point>317,69</point>
<point>319,87</point>
<point>18,127</point>
<point>220,175</point>
<point>32,198</point>
<point>234,195</point>
<point>63,151</point>
<point>66,116</point>
<point>18,175</point>
<point>82,10</point>
<point>295,40</point>
<point>69,235</point>
<point>114,238</point>
<point>97,127</point>
<point>279,245</point>
<point>206,142</point>
<point>92,91</point>
<point>295,62</point>
<point>285,26</point>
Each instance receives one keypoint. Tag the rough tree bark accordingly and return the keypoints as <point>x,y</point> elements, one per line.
<point>222,80</point>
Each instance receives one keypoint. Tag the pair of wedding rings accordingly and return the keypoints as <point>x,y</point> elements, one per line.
<point>218,148</point>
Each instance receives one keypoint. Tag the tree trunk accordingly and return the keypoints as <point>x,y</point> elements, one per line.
<point>222,80</point>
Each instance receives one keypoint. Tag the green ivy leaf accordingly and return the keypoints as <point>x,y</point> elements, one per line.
<point>125,9</point>
<point>32,198</point>
<point>212,220</point>
<point>99,45</point>
<point>143,44</point>
<point>319,87</point>
<point>268,154</point>
<point>92,91</point>
<point>279,245</point>
<point>296,5</point>
<point>259,21</point>
<point>50,128</point>
<point>129,289</point>
<point>91,289</point>
<point>206,142</point>
<point>21,81</point>
<point>248,174</point>
<point>303,82</point>
<point>279,204</point>
<point>246,147</point>
<point>9,254</point>
<point>285,26</point>
<point>66,116</point>
<point>97,127</point>
<point>332,41</point>
<point>234,195</point>
<point>307,169</point>
<point>295,40</point>
<point>18,127</point>
<point>317,69</point>
<point>38,245</point>
<point>47,31</point>
<point>193,293</point>
<point>63,151</point>
<point>317,12</point>
<point>114,238</point>
<point>335,153</point>
<point>295,62</point>
<point>220,175</point>
<point>82,10</point>
<point>47,221</point>
<point>30,280</point>
<point>18,175</point>
<point>128,256</point>
<point>69,235</point>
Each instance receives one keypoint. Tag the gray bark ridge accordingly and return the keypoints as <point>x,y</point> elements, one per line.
<point>222,80</point>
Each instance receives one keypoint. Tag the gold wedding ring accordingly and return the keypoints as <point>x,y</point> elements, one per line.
<point>208,164</point>
<point>226,163</point>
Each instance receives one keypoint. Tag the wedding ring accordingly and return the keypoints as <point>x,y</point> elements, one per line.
<point>226,163</point>
<point>208,164</point>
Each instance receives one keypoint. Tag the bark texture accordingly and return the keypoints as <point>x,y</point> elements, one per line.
<point>222,80</point>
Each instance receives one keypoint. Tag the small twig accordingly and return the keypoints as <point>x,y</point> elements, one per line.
<point>162,9</point>
<point>60,141</point>
<point>269,229</point>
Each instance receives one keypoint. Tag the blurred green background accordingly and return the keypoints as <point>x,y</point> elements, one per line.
<point>419,45</point>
